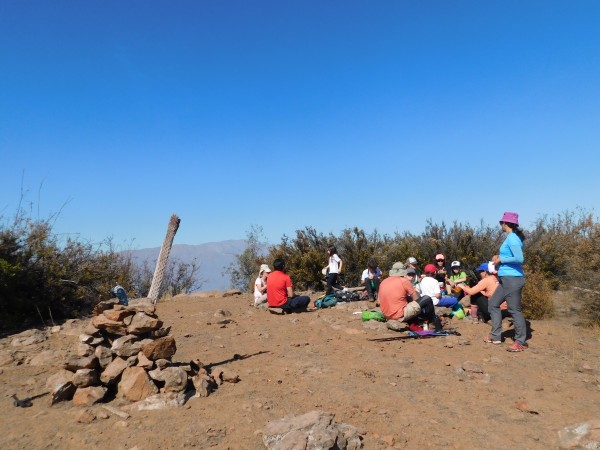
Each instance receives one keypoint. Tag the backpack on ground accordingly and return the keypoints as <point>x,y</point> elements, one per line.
<point>327,301</point>
<point>347,296</point>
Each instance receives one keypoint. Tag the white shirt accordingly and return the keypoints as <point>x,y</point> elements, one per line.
<point>334,264</point>
<point>365,273</point>
<point>258,283</point>
<point>430,286</point>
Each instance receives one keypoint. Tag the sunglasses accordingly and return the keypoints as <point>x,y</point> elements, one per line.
<point>440,260</point>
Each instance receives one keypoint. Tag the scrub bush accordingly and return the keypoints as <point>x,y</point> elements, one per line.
<point>537,300</point>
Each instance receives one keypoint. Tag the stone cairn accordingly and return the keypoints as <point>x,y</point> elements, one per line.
<point>125,352</point>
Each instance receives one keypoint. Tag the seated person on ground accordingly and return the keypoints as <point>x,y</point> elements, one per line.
<point>280,293</point>
<point>441,272</point>
<point>427,313</point>
<point>370,279</point>
<point>482,291</point>
<point>260,285</point>
<point>430,287</point>
<point>411,263</point>
<point>400,301</point>
<point>457,278</point>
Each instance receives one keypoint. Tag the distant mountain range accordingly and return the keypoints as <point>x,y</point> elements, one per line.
<point>213,258</point>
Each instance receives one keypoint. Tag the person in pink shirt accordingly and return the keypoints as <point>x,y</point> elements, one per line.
<point>482,291</point>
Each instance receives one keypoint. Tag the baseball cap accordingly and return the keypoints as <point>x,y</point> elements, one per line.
<point>412,260</point>
<point>430,268</point>
<point>398,270</point>
<point>455,264</point>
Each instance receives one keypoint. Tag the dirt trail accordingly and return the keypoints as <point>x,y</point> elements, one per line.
<point>399,393</point>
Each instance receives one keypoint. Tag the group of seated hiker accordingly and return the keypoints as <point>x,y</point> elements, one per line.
<point>406,298</point>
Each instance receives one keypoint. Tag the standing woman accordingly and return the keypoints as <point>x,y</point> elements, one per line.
<point>332,269</point>
<point>509,262</point>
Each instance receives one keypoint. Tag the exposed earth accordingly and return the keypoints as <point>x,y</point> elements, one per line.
<point>453,392</point>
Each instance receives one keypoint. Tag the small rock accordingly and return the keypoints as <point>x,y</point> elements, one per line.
<point>84,417</point>
<point>55,329</point>
<point>470,366</point>
<point>104,356</point>
<point>135,385</point>
<point>60,385</point>
<point>85,377</point>
<point>161,348</point>
<point>113,370</point>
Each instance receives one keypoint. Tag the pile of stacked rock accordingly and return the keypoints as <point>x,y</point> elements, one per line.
<point>126,352</point>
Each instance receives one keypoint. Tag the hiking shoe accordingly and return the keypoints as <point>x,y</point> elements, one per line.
<point>415,327</point>
<point>489,340</point>
<point>516,347</point>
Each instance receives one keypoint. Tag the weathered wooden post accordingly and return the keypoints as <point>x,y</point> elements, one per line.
<point>163,258</point>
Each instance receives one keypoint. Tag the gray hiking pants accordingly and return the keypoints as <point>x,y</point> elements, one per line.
<point>509,289</point>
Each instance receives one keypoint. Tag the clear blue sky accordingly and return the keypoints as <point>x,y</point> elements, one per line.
<point>333,114</point>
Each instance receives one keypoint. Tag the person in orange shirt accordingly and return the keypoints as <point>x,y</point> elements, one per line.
<point>482,291</point>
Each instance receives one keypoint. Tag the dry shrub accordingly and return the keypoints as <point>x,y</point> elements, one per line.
<point>537,297</point>
<point>590,310</point>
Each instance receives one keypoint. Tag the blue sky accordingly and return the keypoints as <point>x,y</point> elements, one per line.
<point>334,114</point>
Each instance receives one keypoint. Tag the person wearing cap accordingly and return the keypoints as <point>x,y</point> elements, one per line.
<point>280,292</point>
<point>441,271</point>
<point>370,279</point>
<point>430,287</point>
<point>397,296</point>
<point>411,263</point>
<point>457,278</point>
<point>260,285</point>
<point>483,290</point>
<point>509,262</point>
<point>400,301</point>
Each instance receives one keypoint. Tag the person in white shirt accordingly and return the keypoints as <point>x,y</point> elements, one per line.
<point>260,285</point>
<point>333,268</point>
<point>429,286</point>
<point>370,279</point>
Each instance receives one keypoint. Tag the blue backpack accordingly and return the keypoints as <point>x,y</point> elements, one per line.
<point>326,301</point>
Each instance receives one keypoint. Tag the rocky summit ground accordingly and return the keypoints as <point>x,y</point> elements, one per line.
<point>446,392</point>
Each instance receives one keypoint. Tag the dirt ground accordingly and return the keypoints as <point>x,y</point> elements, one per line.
<point>399,393</point>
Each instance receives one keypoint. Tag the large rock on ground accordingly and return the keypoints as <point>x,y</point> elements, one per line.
<point>144,305</point>
<point>74,363</point>
<point>310,431</point>
<point>104,355</point>
<point>175,378</point>
<point>113,370</point>
<point>117,315</point>
<point>104,305</point>
<point>110,326</point>
<point>126,346</point>
<point>143,323</point>
<point>161,348</point>
<point>85,377</point>
<point>135,384</point>
<point>60,386</point>
<point>87,396</point>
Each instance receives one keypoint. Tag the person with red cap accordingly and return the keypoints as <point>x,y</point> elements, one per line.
<point>430,287</point>
<point>509,262</point>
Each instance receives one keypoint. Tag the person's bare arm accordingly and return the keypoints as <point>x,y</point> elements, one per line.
<point>341,264</point>
<point>416,296</point>
<point>290,291</point>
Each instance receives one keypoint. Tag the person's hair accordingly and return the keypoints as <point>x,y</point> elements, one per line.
<point>332,250</point>
<point>372,264</point>
<point>279,264</point>
<point>515,229</point>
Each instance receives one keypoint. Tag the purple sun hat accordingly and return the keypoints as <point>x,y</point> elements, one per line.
<point>510,217</point>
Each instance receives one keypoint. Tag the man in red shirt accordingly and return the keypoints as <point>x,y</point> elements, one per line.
<point>280,293</point>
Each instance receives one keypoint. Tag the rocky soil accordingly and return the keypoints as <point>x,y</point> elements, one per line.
<point>454,392</point>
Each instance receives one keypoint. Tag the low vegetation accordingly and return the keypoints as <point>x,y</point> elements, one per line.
<point>44,278</point>
<point>562,252</point>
